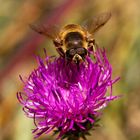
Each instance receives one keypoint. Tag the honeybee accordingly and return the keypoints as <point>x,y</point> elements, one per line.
<point>74,42</point>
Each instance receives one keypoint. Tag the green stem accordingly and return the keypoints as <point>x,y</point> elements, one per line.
<point>73,138</point>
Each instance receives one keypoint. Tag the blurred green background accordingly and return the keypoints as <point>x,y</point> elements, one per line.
<point>19,45</point>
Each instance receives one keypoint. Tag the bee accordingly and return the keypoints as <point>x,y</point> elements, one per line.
<point>74,42</point>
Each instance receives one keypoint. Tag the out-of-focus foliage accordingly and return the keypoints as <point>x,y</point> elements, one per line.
<point>19,44</point>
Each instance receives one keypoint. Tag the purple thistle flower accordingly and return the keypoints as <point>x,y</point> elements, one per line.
<point>60,96</point>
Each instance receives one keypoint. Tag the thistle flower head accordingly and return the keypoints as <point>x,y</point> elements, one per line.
<point>59,96</point>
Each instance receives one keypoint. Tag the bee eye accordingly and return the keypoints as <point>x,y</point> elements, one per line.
<point>72,52</point>
<point>81,51</point>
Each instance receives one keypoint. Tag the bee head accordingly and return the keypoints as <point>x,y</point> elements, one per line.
<point>76,54</point>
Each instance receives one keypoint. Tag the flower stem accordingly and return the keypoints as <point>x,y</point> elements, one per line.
<point>73,138</point>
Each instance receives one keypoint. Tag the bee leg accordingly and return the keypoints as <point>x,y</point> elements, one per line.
<point>59,49</point>
<point>90,49</point>
<point>91,46</point>
<point>85,62</point>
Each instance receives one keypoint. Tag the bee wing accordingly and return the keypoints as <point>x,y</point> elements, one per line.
<point>93,25</point>
<point>51,31</point>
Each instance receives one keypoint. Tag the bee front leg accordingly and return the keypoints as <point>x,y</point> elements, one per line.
<point>91,46</point>
<point>59,49</point>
